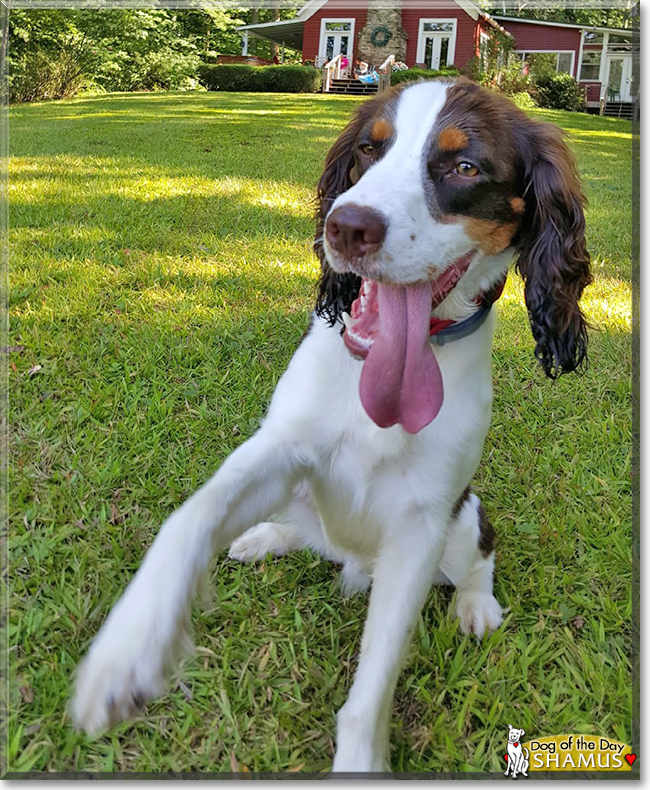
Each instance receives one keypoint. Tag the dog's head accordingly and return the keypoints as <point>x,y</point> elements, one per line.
<point>514,735</point>
<point>444,182</point>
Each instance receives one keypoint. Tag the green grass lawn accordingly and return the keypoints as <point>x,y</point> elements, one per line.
<point>161,277</point>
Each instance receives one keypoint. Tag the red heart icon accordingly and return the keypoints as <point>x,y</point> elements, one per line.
<point>630,758</point>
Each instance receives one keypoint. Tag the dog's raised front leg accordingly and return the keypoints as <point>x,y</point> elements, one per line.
<point>402,577</point>
<point>146,631</point>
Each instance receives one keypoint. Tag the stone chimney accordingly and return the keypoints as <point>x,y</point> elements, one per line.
<point>384,25</point>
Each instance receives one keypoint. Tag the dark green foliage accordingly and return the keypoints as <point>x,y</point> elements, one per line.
<point>409,75</point>
<point>559,92</point>
<point>262,79</point>
<point>54,54</point>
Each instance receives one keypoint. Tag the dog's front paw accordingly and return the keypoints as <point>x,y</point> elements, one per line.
<point>478,612</point>
<point>127,665</point>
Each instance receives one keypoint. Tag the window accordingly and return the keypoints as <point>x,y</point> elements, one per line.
<point>438,27</point>
<point>618,43</point>
<point>538,62</point>
<point>591,37</point>
<point>338,27</point>
<point>590,69</point>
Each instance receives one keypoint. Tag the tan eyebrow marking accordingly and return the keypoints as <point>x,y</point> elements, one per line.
<point>451,138</point>
<point>381,129</point>
<point>518,205</point>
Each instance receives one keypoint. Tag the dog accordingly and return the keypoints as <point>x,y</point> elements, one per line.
<point>377,426</point>
<point>517,760</point>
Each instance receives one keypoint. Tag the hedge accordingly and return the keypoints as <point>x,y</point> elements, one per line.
<point>244,77</point>
<point>407,75</point>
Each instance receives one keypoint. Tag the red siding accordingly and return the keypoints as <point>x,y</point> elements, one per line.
<point>466,32</point>
<point>593,90</point>
<point>532,37</point>
<point>311,29</point>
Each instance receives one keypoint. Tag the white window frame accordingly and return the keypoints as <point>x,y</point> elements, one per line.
<point>550,52</point>
<point>603,58</point>
<point>322,43</point>
<point>423,35</point>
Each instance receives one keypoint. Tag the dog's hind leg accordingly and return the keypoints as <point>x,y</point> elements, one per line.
<point>146,631</point>
<point>296,527</point>
<point>468,563</point>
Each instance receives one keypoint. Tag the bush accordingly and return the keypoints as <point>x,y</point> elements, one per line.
<point>524,100</point>
<point>559,92</point>
<point>243,77</point>
<point>408,75</point>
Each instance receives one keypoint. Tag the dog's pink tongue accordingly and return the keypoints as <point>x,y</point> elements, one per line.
<point>401,381</point>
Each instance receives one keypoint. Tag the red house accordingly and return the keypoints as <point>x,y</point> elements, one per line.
<point>438,33</point>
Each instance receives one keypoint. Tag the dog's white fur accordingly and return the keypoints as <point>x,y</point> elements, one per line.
<point>517,755</point>
<point>378,500</point>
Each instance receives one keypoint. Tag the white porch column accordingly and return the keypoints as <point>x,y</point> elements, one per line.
<point>244,46</point>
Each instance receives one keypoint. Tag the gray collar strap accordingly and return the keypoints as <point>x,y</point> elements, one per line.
<point>461,329</point>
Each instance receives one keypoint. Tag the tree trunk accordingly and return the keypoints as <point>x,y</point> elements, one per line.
<point>275,15</point>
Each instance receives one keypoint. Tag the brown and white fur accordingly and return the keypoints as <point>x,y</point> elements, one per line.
<point>392,505</point>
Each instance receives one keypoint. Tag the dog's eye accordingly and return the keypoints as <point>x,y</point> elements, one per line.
<point>367,149</point>
<point>466,169</point>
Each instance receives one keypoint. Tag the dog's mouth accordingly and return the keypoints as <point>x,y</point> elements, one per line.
<point>388,328</point>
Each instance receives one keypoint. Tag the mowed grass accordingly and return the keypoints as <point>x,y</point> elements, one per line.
<point>161,277</point>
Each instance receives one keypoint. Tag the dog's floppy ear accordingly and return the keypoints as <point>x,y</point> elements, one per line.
<point>552,253</point>
<point>336,292</point>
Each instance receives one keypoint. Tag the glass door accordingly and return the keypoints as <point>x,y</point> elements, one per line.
<point>438,38</point>
<point>336,39</point>
<point>619,78</point>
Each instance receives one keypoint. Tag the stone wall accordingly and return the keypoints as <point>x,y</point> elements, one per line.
<point>383,13</point>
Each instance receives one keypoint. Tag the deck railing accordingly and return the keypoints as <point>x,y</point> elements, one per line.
<point>384,72</point>
<point>334,71</point>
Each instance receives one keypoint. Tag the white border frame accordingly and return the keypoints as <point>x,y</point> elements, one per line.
<point>571,52</point>
<point>322,45</point>
<point>419,57</point>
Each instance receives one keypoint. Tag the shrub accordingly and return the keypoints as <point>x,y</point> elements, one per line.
<point>524,100</point>
<point>559,92</point>
<point>243,77</point>
<point>407,75</point>
<point>513,81</point>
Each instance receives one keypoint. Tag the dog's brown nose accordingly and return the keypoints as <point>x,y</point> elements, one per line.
<point>354,230</point>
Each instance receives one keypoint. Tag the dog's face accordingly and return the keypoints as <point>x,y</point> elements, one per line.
<point>514,735</point>
<point>443,180</point>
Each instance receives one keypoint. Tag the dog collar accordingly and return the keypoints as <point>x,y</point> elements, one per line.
<point>443,331</point>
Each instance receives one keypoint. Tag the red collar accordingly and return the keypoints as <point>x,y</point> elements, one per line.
<point>485,299</point>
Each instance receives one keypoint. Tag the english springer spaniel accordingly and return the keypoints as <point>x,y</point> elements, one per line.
<point>377,427</point>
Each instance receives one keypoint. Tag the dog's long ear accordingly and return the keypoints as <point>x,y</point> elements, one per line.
<point>552,253</point>
<point>336,292</point>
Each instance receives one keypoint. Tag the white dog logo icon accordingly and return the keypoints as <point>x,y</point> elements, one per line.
<point>517,756</point>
